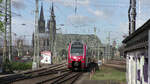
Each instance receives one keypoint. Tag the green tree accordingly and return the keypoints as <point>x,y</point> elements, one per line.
<point>1,26</point>
<point>1,23</point>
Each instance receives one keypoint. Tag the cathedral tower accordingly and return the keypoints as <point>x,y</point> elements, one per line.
<point>41,22</point>
<point>52,28</point>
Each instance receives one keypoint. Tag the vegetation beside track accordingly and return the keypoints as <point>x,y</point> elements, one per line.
<point>21,65</point>
<point>108,73</point>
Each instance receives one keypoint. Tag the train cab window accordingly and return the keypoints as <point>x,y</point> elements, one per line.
<point>77,50</point>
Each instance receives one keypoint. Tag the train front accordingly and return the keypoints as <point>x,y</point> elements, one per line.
<point>77,56</point>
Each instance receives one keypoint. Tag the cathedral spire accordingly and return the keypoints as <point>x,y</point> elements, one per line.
<point>52,11</point>
<point>41,13</point>
<point>41,22</point>
<point>52,29</point>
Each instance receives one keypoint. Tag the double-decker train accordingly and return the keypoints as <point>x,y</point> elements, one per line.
<point>77,56</point>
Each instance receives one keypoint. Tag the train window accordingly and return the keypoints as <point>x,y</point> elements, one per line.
<point>77,50</point>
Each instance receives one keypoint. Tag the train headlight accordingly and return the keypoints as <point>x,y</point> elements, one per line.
<point>75,57</point>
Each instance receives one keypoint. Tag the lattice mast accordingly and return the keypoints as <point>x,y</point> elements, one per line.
<point>7,48</point>
<point>7,26</point>
<point>132,16</point>
<point>36,40</point>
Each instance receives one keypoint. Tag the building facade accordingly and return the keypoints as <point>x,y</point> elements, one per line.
<point>137,53</point>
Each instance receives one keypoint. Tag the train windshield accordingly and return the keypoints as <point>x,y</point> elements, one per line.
<point>77,51</point>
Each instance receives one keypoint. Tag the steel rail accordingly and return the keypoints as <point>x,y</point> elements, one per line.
<point>54,78</point>
<point>29,75</point>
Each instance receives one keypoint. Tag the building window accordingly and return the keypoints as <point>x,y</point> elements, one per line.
<point>44,43</point>
<point>47,42</point>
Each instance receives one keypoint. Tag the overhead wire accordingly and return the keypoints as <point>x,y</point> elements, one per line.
<point>65,15</point>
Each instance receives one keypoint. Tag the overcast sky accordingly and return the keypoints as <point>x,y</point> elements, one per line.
<point>106,15</point>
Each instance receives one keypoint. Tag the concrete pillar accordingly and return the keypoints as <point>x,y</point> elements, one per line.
<point>138,67</point>
<point>127,68</point>
<point>130,66</point>
<point>138,70</point>
<point>141,68</point>
<point>134,69</point>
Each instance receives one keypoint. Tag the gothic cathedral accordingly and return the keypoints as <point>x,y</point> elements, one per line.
<point>47,34</point>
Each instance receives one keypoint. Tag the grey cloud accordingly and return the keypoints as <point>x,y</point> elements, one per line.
<point>145,2</point>
<point>19,4</point>
<point>14,14</point>
<point>80,20</point>
<point>105,14</point>
<point>71,2</point>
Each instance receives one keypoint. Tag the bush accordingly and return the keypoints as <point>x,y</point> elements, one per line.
<point>21,66</point>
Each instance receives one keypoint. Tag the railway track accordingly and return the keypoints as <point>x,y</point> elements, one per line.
<point>54,69</point>
<point>66,78</point>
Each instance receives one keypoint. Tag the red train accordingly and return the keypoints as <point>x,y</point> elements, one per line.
<point>77,56</point>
